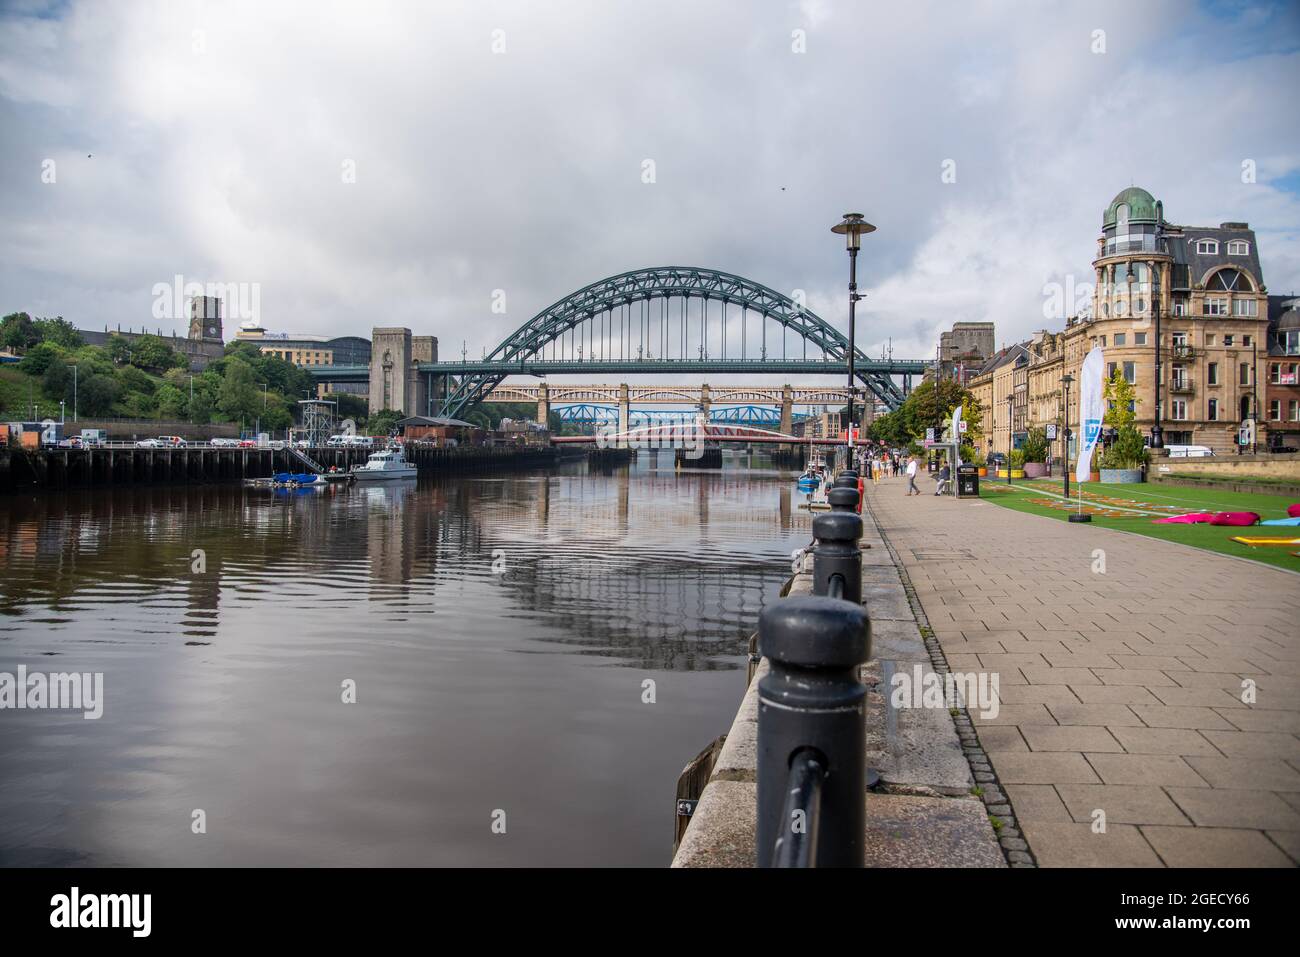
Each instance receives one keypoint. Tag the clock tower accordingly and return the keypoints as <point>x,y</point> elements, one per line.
<point>205,318</point>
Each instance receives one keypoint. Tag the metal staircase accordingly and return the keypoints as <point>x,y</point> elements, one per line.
<point>308,460</point>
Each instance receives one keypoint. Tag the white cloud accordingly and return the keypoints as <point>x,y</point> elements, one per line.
<point>521,171</point>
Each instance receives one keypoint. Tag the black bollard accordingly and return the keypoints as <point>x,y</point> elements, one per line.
<point>812,733</point>
<point>837,560</point>
<point>843,499</point>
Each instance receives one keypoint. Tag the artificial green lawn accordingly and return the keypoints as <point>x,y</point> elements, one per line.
<point>1214,538</point>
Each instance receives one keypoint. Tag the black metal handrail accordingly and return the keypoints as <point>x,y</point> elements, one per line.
<point>797,844</point>
<point>812,733</point>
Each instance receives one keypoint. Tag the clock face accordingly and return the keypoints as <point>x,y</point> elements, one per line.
<point>212,330</point>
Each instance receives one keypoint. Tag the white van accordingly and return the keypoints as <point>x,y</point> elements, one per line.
<point>1189,451</point>
<point>360,441</point>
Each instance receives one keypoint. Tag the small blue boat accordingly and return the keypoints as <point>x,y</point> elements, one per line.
<point>295,478</point>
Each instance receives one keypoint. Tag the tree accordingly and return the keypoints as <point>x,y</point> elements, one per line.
<point>39,358</point>
<point>119,349</point>
<point>18,332</point>
<point>199,409</point>
<point>60,332</point>
<point>238,399</point>
<point>171,402</point>
<point>1035,445</point>
<point>150,352</point>
<point>350,406</point>
<point>384,421</point>
<point>133,380</point>
<point>96,395</point>
<point>57,381</point>
<point>1121,401</point>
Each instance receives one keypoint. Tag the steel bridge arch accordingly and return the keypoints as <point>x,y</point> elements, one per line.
<point>662,282</point>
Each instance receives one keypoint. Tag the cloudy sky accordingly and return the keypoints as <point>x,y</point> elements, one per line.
<point>394,163</point>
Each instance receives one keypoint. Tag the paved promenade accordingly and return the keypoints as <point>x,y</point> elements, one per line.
<point>1122,664</point>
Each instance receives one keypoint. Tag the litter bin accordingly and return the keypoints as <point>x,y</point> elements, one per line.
<point>968,481</point>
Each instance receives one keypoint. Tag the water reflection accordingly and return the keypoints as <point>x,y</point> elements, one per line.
<point>479,618</point>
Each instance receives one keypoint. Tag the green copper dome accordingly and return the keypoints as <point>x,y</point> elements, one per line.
<point>1142,207</point>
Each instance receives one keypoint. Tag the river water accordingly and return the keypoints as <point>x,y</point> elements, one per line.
<point>534,657</point>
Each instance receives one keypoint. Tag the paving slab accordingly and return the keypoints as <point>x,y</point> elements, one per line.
<point>1123,690</point>
<point>908,831</point>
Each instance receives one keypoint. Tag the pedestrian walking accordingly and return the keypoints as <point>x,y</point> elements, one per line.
<point>911,476</point>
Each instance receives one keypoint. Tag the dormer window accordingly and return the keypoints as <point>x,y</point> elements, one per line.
<point>1207,247</point>
<point>1239,247</point>
<point>1229,280</point>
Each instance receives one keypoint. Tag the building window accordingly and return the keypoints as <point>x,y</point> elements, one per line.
<point>1139,338</point>
<point>1238,247</point>
<point>1178,410</point>
<point>1245,340</point>
<point>1275,410</point>
<point>1209,338</point>
<point>1227,340</point>
<point>1179,339</point>
<point>1130,373</point>
<point>1120,339</point>
<point>1275,373</point>
<point>1207,247</point>
<point>1244,377</point>
<point>1212,374</point>
<point>1214,307</point>
<point>1101,341</point>
<point>1293,410</point>
<point>1180,307</point>
<point>1230,280</point>
<point>1214,410</point>
<point>1245,307</point>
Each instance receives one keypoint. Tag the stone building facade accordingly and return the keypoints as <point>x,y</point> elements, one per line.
<point>1212,327</point>
<point>395,381</point>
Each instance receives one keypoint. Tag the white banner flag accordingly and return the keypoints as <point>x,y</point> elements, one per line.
<point>1092,408</point>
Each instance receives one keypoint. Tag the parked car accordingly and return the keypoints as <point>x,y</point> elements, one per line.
<point>92,437</point>
<point>1189,451</point>
<point>71,443</point>
<point>247,444</point>
<point>171,441</point>
<point>221,443</point>
<point>147,444</point>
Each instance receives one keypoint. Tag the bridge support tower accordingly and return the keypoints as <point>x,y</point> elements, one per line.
<point>787,409</point>
<point>543,405</point>
<point>624,410</point>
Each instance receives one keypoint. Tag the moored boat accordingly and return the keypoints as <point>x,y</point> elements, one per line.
<point>385,465</point>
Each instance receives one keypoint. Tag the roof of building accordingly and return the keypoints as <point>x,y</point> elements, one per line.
<point>1011,353</point>
<point>1182,246</point>
<point>1142,207</point>
<point>435,421</point>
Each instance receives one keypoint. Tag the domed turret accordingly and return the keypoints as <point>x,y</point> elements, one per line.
<point>1142,207</point>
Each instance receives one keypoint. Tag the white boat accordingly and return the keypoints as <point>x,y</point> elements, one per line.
<point>385,465</point>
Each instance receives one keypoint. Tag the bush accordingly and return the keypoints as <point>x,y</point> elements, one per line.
<point>1017,459</point>
<point>1126,452</point>
<point>39,357</point>
<point>1035,447</point>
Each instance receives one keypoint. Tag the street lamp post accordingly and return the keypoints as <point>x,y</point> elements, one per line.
<point>1011,398</point>
<point>1157,433</point>
<point>852,229</point>
<point>74,393</point>
<point>1066,380</point>
<point>1254,395</point>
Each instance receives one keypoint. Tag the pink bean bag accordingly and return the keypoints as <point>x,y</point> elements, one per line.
<point>1293,511</point>
<point>1235,518</point>
<point>1191,518</point>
